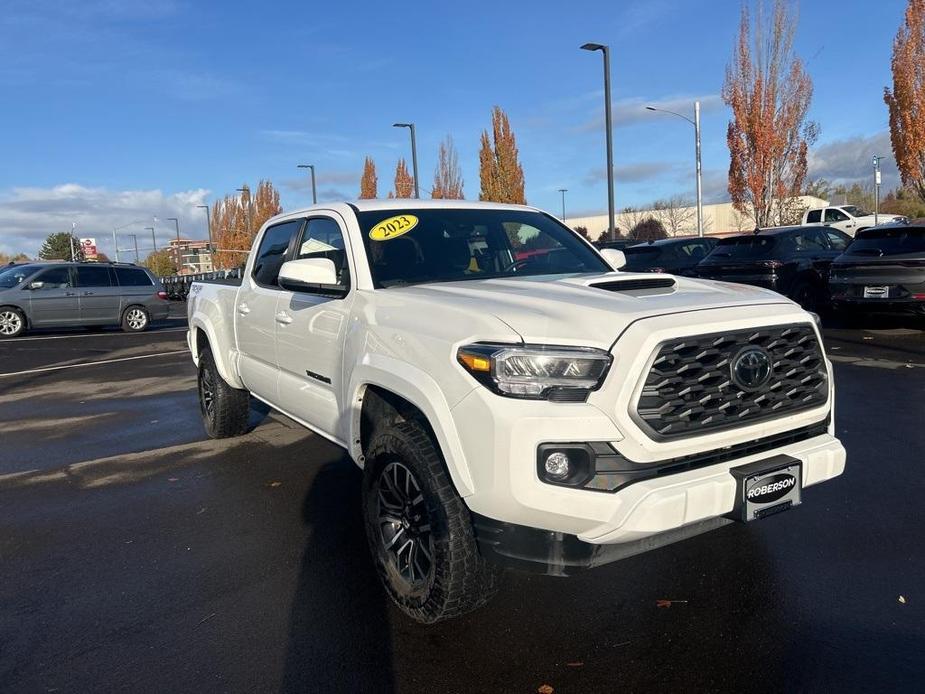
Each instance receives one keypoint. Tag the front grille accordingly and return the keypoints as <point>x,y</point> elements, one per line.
<point>690,389</point>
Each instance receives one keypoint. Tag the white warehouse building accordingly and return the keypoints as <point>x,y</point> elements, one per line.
<point>718,218</point>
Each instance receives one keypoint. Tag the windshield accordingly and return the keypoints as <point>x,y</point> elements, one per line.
<point>414,246</point>
<point>743,247</point>
<point>855,211</point>
<point>889,241</point>
<point>12,275</point>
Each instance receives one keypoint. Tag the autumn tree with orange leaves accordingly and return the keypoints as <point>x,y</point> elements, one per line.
<point>448,182</point>
<point>906,100</point>
<point>500,172</point>
<point>369,182</point>
<point>769,93</point>
<point>236,219</point>
<point>404,183</point>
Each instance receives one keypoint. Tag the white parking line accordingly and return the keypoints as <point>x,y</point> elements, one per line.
<point>93,363</point>
<point>68,337</point>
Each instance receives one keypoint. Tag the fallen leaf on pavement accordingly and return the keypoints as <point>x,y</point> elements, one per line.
<point>575,664</point>
<point>902,599</point>
<point>274,484</point>
<point>173,479</point>
<point>545,689</point>
<point>668,603</point>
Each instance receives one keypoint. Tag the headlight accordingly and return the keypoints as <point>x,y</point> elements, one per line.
<point>538,372</point>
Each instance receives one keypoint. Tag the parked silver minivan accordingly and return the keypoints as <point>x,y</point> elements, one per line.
<point>60,294</point>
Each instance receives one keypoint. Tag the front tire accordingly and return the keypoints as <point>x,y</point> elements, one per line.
<point>225,410</point>
<point>807,295</point>
<point>419,530</point>
<point>135,319</point>
<point>12,322</point>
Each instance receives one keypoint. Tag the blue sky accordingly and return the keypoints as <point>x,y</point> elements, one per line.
<point>119,110</point>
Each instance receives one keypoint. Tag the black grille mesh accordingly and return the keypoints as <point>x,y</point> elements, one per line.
<point>689,389</point>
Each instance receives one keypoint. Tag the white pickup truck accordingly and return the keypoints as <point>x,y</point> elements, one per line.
<point>513,399</point>
<point>847,218</point>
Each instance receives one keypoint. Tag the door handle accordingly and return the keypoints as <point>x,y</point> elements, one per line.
<point>243,309</point>
<point>284,318</point>
<point>87,294</point>
<point>70,293</point>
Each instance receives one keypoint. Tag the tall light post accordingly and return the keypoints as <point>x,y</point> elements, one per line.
<point>115,240</point>
<point>314,192</point>
<point>877,159</point>
<point>135,242</point>
<point>563,191</point>
<point>176,225</point>
<point>208,224</point>
<point>608,124</point>
<point>696,124</point>
<point>153,240</point>
<point>414,155</point>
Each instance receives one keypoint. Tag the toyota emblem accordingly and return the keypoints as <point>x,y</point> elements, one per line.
<point>751,368</point>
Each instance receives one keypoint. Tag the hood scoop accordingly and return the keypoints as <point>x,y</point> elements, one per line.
<point>629,285</point>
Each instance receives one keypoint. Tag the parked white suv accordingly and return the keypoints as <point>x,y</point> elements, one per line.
<point>849,218</point>
<point>512,399</point>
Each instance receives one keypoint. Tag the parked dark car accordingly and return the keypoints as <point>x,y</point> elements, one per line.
<point>676,256</point>
<point>791,260</point>
<point>882,270</point>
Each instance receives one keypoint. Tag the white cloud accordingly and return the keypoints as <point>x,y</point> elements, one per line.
<point>631,173</point>
<point>28,215</point>
<point>632,110</point>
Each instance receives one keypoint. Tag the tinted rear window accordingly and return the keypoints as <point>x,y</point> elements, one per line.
<point>744,247</point>
<point>891,241</point>
<point>133,277</point>
<point>93,276</point>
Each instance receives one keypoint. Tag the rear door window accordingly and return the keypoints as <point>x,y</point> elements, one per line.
<point>93,276</point>
<point>838,242</point>
<point>132,277</point>
<point>814,216</point>
<point>810,240</point>
<point>272,252</point>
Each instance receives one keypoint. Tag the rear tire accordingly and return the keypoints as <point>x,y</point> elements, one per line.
<point>12,322</point>
<point>225,410</point>
<point>135,319</point>
<point>419,530</point>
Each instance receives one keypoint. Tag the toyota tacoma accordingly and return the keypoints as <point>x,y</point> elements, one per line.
<point>513,399</point>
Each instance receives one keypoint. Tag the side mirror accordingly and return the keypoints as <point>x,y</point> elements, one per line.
<point>616,259</point>
<point>309,275</point>
<point>36,285</point>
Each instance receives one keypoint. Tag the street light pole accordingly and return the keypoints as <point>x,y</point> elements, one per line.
<point>208,224</point>
<point>414,155</point>
<point>877,189</point>
<point>696,124</point>
<point>135,241</point>
<point>314,192</point>
<point>608,124</point>
<point>563,191</point>
<point>153,240</point>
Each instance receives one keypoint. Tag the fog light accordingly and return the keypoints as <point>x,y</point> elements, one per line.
<point>557,465</point>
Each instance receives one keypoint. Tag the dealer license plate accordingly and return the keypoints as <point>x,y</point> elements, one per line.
<point>877,292</point>
<point>766,487</point>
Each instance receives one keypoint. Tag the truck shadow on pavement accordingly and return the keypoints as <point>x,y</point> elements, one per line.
<point>339,635</point>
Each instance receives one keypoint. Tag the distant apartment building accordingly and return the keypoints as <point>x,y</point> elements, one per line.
<point>191,256</point>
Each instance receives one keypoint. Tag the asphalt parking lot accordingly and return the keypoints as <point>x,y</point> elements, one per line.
<point>136,555</point>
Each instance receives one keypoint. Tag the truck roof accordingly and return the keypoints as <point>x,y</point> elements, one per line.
<point>407,203</point>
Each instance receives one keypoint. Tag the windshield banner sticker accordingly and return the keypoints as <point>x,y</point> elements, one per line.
<point>393,227</point>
